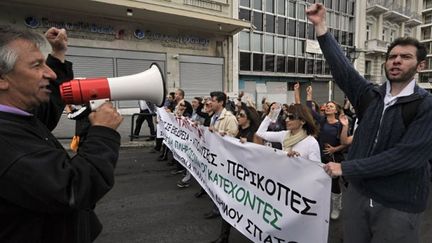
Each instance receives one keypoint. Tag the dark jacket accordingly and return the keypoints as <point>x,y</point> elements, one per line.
<point>390,166</point>
<point>46,195</point>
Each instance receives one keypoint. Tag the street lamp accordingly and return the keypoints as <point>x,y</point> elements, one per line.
<point>353,53</point>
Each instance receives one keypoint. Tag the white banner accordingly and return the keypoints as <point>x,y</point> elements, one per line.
<point>267,196</point>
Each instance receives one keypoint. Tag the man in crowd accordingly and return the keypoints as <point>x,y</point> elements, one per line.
<point>223,122</point>
<point>146,108</point>
<point>47,196</point>
<point>387,167</point>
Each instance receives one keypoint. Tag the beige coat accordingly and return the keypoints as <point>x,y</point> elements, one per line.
<point>227,123</point>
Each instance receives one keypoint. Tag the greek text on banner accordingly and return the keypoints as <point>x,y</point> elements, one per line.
<point>266,195</point>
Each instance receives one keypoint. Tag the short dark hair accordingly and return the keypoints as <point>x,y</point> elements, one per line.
<point>172,94</point>
<point>409,41</point>
<point>199,99</point>
<point>182,93</point>
<point>220,96</point>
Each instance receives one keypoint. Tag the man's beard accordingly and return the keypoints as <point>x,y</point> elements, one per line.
<point>406,77</point>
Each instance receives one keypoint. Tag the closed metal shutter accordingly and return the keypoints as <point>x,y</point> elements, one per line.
<point>338,94</point>
<point>320,92</point>
<point>277,92</point>
<point>250,90</point>
<point>88,67</point>
<point>200,75</point>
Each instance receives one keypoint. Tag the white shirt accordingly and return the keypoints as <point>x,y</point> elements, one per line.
<point>308,148</point>
<point>390,100</point>
<point>143,105</point>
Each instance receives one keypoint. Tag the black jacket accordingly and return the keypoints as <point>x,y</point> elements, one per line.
<point>46,195</point>
<point>387,162</point>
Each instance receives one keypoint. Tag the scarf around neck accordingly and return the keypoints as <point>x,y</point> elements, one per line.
<point>291,140</point>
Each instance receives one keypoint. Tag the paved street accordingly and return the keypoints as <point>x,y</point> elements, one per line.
<point>145,205</point>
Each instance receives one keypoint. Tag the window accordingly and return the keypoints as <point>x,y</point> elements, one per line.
<point>245,14</point>
<point>310,31</point>
<point>245,61</point>
<point>335,4</point>
<point>319,69</point>
<point>244,41</point>
<point>301,11</point>
<point>427,18</point>
<point>301,65</point>
<point>257,4</point>
<point>280,45</point>
<point>310,66</point>
<point>270,23</point>
<point>384,34</point>
<point>245,3</point>
<point>352,9</point>
<point>291,27</point>
<point>302,29</point>
<point>350,40</point>
<point>281,25</point>
<point>257,62</point>
<point>291,65</point>
<point>281,7</point>
<point>344,38</point>
<point>292,9</point>
<point>258,20</point>
<point>269,63</point>
<point>291,47</point>
<point>392,35</point>
<point>368,31</point>
<point>368,67</point>
<point>337,21</point>
<point>270,6</point>
<point>336,34</point>
<point>326,68</point>
<point>280,64</point>
<point>256,42</point>
<point>343,7</point>
<point>300,48</point>
<point>269,43</point>
<point>426,32</point>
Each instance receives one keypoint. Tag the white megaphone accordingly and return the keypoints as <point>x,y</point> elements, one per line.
<point>148,85</point>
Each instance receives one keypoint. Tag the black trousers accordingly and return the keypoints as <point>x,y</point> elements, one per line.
<point>140,120</point>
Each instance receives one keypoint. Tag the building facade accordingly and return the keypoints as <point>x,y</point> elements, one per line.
<point>385,21</point>
<point>281,48</point>
<point>426,37</point>
<point>192,40</point>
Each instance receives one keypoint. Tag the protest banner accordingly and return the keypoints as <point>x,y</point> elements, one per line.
<point>266,195</point>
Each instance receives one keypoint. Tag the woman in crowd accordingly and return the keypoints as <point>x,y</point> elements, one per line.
<point>331,147</point>
<point>299,138</point>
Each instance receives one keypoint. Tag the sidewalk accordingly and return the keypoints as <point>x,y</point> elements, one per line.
<point>66,129</point>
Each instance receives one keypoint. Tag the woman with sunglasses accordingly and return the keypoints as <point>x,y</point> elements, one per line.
<point>247,118</point>
<point>299,138</point>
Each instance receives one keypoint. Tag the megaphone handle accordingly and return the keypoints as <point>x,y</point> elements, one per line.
<point>94,104</point>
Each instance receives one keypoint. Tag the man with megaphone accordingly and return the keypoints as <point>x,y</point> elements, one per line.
<point>46,195</point>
